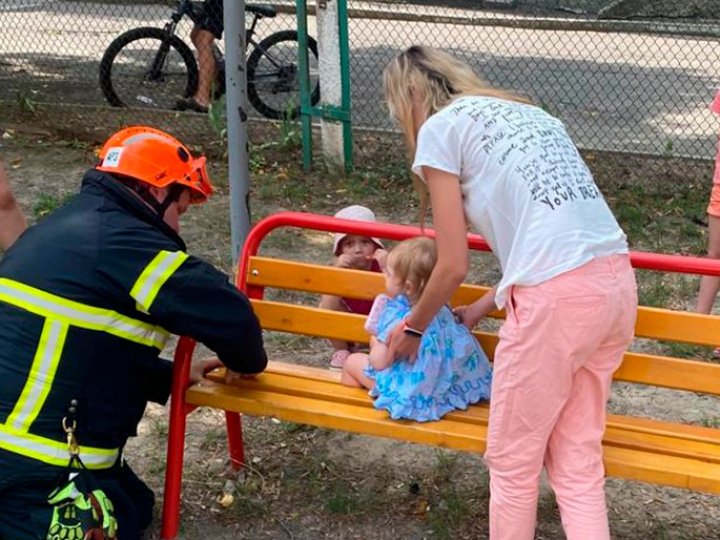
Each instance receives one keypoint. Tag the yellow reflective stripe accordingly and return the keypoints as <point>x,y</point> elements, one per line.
<point>76,314</point>
<point>53,452</point>
<point>156,273</point>
<point>42,373</point>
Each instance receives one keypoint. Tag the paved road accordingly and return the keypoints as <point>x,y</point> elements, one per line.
<point>635,92</point>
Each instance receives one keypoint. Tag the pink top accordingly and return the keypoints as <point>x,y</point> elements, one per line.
<point>715,107</point>
<point>358,305</point>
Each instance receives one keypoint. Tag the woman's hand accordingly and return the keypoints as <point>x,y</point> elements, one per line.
<point>402,345</point>
<point>201,367</point>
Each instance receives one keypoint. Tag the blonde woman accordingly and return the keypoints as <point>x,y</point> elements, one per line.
<point>490,158</point>
<point>12,220</point>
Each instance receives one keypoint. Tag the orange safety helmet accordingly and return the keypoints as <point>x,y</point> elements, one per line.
<point>153,157</point>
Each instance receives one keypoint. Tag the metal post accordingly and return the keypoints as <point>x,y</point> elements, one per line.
<point>304,75</point>
<point>237,137</point>
<point>344,39</point>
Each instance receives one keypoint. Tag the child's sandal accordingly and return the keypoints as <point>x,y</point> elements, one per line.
<point>337,361</point>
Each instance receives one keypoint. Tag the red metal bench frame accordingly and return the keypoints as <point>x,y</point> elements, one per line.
<point>179,409</point>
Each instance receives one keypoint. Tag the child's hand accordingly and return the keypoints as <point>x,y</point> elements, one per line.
<point>380,256</point>
<point>465,315</point>
<point>345,261</point>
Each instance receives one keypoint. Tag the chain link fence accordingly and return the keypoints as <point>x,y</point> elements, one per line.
<point>639,86</point>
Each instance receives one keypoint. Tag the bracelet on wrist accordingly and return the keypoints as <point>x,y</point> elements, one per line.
<point>410,331</point>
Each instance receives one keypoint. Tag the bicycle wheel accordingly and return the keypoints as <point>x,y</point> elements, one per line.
<point>273,85</point>
<point>142,68</point>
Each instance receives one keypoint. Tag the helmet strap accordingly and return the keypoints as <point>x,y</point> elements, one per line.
<point>174,193</point>
<point>143,191</point>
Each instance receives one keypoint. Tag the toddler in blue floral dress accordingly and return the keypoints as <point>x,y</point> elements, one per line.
<point>450,372</point>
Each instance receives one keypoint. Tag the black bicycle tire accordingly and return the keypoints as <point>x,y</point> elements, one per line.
<point>254,96</point>
<point>135,34</point>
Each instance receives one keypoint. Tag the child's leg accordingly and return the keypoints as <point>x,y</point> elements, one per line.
<point>709,284</point>
<point>353,373</point>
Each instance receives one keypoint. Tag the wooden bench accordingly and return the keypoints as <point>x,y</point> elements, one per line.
<point>638,448</point>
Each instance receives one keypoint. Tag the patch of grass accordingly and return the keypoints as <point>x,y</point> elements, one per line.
<point>45,204</point>
<point>449,508</point>
<point>159,427</point>
<point>683,350</point>
<point>213,438</point>
<point>711,422</point>
<point>652,291</point>
<point>343,502</point>
<point>26,102</point>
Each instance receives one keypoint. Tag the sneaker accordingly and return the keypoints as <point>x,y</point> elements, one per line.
<point>337,361</point>
<point>189,104</point>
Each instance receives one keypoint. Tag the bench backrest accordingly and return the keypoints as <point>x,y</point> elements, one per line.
<point>258,273</point>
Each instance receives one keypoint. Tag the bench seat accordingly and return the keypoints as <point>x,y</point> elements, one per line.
<point>636,448</point>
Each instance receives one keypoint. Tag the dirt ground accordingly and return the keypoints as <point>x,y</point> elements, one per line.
<point>306,483</point>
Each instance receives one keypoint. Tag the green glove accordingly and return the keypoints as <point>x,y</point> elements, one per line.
<point>76,514</point>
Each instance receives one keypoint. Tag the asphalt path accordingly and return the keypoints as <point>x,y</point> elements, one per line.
<point>615,91</point>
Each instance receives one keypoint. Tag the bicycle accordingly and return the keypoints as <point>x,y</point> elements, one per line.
<point>151,67</point>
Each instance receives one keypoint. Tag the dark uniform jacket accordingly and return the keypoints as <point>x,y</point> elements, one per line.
<point>87,299</point>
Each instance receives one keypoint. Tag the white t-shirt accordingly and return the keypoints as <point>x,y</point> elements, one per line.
<point>525,187</point>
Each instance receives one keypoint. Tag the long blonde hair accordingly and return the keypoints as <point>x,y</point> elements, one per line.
<point>436,78</point>
<point>412,261</point>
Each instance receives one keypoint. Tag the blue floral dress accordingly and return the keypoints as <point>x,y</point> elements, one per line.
<point>450,372</point>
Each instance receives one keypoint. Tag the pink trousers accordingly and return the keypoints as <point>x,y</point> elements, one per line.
<point>559,346</point>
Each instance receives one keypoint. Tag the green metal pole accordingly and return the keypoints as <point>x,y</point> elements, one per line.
<point>304,76</point>
<point>343,36</point>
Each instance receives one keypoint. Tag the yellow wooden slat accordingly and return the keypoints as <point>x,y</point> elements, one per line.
<point>664,470</point>
<point>313,278</point>
<point>310,321</point>
<point>681,326</point>
<point>670,373</point>
<point>651,426</point>
<point>663,445</point>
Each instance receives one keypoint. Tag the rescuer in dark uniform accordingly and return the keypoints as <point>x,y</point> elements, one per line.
<point>87,299</point>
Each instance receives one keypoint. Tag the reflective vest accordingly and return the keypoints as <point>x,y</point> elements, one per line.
<point>87,300</point>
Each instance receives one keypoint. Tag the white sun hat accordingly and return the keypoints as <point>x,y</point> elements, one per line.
<point>361,213</point>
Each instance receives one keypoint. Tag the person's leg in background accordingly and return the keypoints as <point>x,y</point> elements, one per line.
<point>710,284</point>
<point>203,35</point>
<point>203,41</point>
<point>12,220</point>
